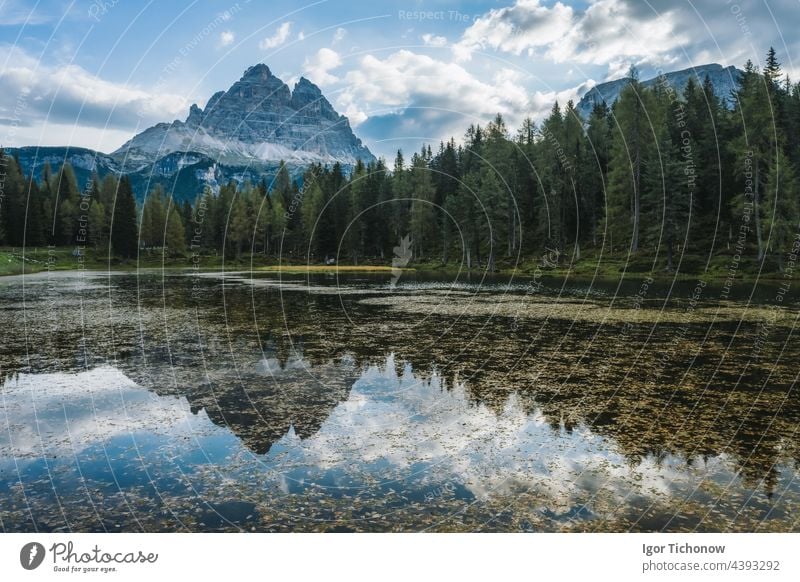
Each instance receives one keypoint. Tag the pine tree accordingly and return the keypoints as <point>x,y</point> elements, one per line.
<point>175,237</point>
<point>68,199</point>
<point>463,207</point>
<point>668,182</point>
<point>239,226</point>
<point>423,213</point>
<point>154,219</point>
<point>98,229</point>
<point>401,203</point>
<point>279,226</point>
<point>205,216</point>
<point>187,217</point>
<point>780,216</point>
<point>313,203</point>
<point>574,217</point>
<point>34,220</point>
<point>594,170</point>
<point>756,142</point>
<point>623,220</point>
<point>12,204</point>
<point>357,203</point>
<point>494,201</point>
<point>554,181</point>
<point>124,228</point>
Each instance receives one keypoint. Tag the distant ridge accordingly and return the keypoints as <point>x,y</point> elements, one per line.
<point>724,80</point>
<point>243,134</point>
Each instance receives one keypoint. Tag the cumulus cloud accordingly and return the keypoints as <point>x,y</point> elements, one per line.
<point>318,67</point>
<point>281,36</point>
<point>433,40</point>
<point>526,24</point>
<point>226,37</point>
<point>617,33</point>
<point>607,32</point>
<point>68,95</point>
<point>355,115</point>
<point>405,78</point>
<point>407,99</point>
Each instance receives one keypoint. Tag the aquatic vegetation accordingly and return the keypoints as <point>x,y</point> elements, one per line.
<point>174,402</point>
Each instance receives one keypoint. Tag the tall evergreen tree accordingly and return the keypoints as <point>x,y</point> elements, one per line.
<point>623,219</point>
<point>124,227</point>
<point>423,214</point>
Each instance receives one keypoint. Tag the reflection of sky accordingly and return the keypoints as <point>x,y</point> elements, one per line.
<point>61,413</point>
<point>408,422</point>
<point>393,431</point>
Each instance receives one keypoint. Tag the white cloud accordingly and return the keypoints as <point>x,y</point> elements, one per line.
<point>226,37</point>
<point>97,411</point>
<point>433,40</point>
<point>609,32</point>
<point>318,67</point>
<point>516,28</point>
<point>50,133</point>
<point>65,96</point>
<point>406,79</point>
<point>408,99</point>
<point>389,424</point>
<point>339,35</point>
<point>277,39</point>
<point>491,452</point>
<point>355,115</point>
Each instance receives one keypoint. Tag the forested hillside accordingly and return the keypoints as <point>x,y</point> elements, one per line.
<point>658,175</point>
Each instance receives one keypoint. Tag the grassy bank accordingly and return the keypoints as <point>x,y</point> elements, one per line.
<point>614,266</point>
<point>16,261</point>
<point>13,261</point>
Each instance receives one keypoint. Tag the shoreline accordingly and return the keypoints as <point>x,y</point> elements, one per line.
<point>353,269</point>
<point>605,268</point>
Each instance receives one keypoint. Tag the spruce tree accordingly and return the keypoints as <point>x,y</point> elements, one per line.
<point>124,228</point>
<point>423,214</point>
<point>779,214</point>
<point>623,220</point>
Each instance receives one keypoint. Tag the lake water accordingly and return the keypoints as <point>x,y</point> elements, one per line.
<point>159,401</point>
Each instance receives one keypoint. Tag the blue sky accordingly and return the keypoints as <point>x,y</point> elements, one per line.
<point>93,73</point>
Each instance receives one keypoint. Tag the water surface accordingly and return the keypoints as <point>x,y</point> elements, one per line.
<point>221,402</point>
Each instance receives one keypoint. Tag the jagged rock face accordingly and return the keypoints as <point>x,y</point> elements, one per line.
<point>259,119</point>
<point>724,79</point>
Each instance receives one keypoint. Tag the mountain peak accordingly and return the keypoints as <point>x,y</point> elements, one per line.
<point>724,79</point>
<point>258,119</point>
<point>304,84</point>
<point>258,71</point>
<point>308,100</point>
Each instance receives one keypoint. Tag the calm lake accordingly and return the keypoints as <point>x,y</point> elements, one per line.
<point>172,401</point>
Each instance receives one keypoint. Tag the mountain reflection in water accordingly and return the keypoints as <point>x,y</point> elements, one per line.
<point>392,441</point>
<point>165,417</point>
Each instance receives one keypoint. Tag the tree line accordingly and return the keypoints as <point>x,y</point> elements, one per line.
<point>659,173</point>
<point>54,211</point>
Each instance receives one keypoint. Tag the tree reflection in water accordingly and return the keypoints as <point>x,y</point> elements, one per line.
<point>268,407</point>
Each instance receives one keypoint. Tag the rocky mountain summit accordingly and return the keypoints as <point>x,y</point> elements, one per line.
<point>243,134</point>
<point>725,81</point>
<point>259,119</point>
